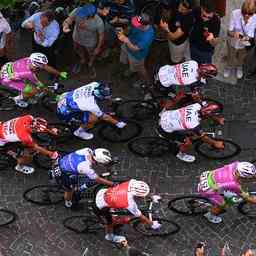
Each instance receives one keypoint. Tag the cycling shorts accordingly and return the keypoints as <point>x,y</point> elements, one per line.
<point>67,115</point>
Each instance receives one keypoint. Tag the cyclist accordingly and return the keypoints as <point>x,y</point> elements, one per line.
<point>21,76</point>
<point>121,196</point>
<point>77,163</point>
<point>20,129</point>
<point>82,103</point>
<point>227,181</point>
<point>183,124</point>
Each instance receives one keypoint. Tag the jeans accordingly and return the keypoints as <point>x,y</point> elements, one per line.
<point>201,57</point>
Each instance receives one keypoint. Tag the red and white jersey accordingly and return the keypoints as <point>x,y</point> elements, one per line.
<point>181,119</point>
<point>17,129</point>
<point>185,73</point>
<point>118,197</point>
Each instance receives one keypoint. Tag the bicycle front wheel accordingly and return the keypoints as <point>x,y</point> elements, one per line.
<point>231,149</point>
<point>7,217</point>
<point>83,224</point>
<point>167,228</point>
<point>190,205</point>
<point>149,146</point>
<point>248,209</point>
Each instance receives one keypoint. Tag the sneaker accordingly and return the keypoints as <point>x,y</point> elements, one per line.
<point>213,218</point>
<point>68,204</point>
<point>24,169</point>
<point>114,238</point>
<point>92,72</point>
<point>83,134</point>
<point>20,102</point>
<point>185,157</point>
<point>239,73</point>
<point>76,68</point>
<point>227,72</point>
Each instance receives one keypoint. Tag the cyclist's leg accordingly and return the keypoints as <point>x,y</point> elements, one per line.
<point>68,191</point>
<point>24,158</point>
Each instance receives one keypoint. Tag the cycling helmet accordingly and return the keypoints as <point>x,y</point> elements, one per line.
<point>102,156</point>
<point>103,90</point>
<point>138,188</point>
<point>39,124</point>
<point>207,70</point>
<point>246,170</point>
<point>38,59</point>
<point>209,109</point>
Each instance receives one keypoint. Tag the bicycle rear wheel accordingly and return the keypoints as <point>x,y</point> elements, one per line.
<point>83,224</point>
<point>6,101</point>
<point>167,228</point>
<point>111,133</point>
<point>149,146</point>
<point>231,149</point>
<point>190,205</point>
<point>44,195</point>
<point>7,217</point>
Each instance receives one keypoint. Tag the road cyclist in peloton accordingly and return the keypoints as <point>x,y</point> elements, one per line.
<point>82,103</point>
<point>223,185</point>
<point>20,129</point>
<point>183,125</point>
<point>77,163</point>
<point>121,196</point>
<point>20,75</point>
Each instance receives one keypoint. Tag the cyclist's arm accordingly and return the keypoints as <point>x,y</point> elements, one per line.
<point>104,181</point>
<point>51,70</point>
<point>247,197</point>
<point>145,220</point>
<point>42,150</point>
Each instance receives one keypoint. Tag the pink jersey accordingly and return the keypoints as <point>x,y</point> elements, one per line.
<point>225,178</point>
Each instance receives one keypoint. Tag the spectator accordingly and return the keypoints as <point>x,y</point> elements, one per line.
<point>116,13</point>
<point>136,46</point>
<point>178,31</point>
<point>5,40</point>
<point>46,30</point>
<point>240,35</point>
<point>205,33</point>
<point>88,35</point>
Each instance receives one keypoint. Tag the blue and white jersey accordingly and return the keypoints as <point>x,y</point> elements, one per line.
<point>81,99</point>
<point>78,162</point>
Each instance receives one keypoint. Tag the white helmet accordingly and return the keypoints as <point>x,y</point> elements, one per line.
<point>246,170</point>
<point>102,156</point>
<point>38,59</point>
<point>138,188</point>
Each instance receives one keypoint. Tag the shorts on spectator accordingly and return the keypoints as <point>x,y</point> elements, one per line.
<point>88,49</point>
<point>201,57</point>
<point>179,53</point>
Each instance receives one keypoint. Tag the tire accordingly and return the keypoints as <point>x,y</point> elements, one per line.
<point>248,209</point>
<point>7,161</point>
<point>64,133</point>
<point>6,101</point>
<point>136,110</point>
<point>49,103</point>
<point>111,133</point>
<point>47,195</point>
<point>183,205</point>
<point>7,217</point>
<point>149,146</point>
<point>231,149</point>
<point>83,224</point>
<point>168,228</point>
<point>154,10</point>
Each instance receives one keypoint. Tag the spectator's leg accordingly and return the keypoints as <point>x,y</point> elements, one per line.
<point>231,60</point>
<point>80,51</point>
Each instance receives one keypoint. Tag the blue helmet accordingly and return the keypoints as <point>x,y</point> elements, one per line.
<point>103,90</point>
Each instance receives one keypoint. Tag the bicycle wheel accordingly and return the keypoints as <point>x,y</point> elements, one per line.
<point>168,228</point>
<point>111,133</point>
<point>231,149</point>
<point>5,161</point>
<point>82,224</point>
<point>136,109</point>
<point>149,146</point>
<point>6,101</point>
<point>7,217</point>
<point>64,133</point>
<point>190,205</point>
<point>248,209</point>
<point>44,195</point>
<point>49,102</point>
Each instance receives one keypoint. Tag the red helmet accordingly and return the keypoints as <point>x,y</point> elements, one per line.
<point>209,109</point>
<point>207,70</point>
<point>39,124</point>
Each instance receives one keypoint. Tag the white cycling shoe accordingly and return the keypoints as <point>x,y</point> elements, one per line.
<point>24,169</point>
<point>82,134</point>
<point>20,102</point>
<point>185,157</point>
<point>213,218</point>
<point>115,238</point>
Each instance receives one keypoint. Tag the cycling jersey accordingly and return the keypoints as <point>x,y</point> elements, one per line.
<point>78,162</point>
<point>17,129</point>
<point>118,197</point>
<point>186,118</point>
<point>81,99</point>
<point>15,74</point>
<point>185,73</point>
